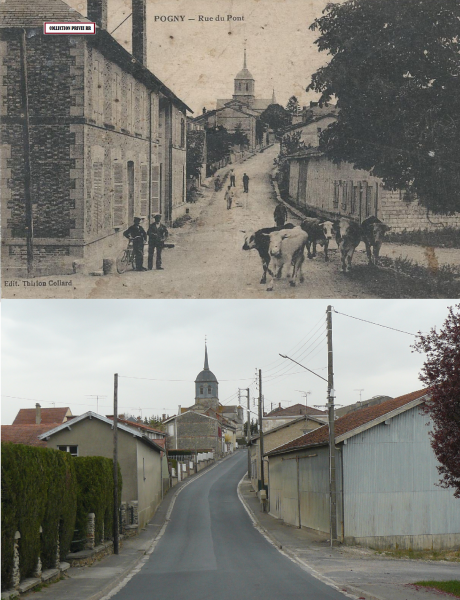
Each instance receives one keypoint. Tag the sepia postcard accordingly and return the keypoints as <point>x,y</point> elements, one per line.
<point>179,149</point>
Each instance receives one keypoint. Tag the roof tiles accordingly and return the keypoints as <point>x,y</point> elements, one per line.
<point>26,416</point>
<point>349,422</point>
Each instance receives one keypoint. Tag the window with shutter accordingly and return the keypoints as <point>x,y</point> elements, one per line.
<point>97,195</point>
<point>144,190</point>
<point>155,188</point>
<point>118,203</point>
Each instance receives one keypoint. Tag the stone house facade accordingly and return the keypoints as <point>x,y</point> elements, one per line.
<point>195,431</point>
<point>105,139</point>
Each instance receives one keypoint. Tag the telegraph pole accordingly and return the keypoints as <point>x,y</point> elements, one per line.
<point>115,463</point>
<point>330,405</point>
<point>261,435</point>
<point>248,430</point>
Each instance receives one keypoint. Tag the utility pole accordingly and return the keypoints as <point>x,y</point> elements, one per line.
<point>330,405</point>
<point>261,434</point>
<point>248,429</point>
<point>115,463</point>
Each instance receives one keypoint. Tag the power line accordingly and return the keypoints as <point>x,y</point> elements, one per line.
<point>372,323</point>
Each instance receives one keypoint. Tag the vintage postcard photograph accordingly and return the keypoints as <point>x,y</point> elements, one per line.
<point>230,149</point>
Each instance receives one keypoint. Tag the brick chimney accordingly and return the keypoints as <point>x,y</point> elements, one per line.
<point>139,50</point>
<point>38,414</point>
<point>163,417</point>
<point>97,12</point>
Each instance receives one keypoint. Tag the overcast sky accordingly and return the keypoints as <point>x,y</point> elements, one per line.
<point>199,60</point>
<point>60,352</point>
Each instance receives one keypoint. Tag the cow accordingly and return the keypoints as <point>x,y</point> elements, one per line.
<point>260,241</point>
<point>280,215</point>
<point>348,236</point>
<point>319,232</point>
<point>287,246</point>
<point>373,233</point>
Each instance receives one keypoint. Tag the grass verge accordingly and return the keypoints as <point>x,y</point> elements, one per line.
<point>448,237</point>
<point>450,587</point>
<point>448,555</point>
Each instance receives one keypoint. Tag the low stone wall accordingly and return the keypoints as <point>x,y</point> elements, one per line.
<point>85,558</point>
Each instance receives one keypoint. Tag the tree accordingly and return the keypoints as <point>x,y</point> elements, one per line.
<point>276,117</point>
<point>292,107</point>
<point>395,73</point>
<point>441,373</point>
<point>195,152</point>
<point>239,137</point>
<point>218,143</point>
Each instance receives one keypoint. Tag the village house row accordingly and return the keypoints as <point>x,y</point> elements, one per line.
<point>107,137</point>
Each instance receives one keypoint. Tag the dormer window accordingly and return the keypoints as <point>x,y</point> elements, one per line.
<point>209,389</point>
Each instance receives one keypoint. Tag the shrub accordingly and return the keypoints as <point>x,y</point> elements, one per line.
<point>38,490</point>
<point>95,495</point>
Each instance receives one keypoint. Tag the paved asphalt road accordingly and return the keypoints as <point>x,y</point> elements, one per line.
<point>211,550</point>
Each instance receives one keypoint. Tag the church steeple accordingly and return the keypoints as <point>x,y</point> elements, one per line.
<point>244,83</point>
<point>273,97</point>
<point>206,365</point>
<point>206,385</point>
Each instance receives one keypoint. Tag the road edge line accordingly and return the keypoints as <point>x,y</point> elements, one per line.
<point>128,574</point>
<point>355,592</point>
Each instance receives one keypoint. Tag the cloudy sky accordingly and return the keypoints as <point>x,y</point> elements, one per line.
<point>199,60</point>
<point>60,352</point>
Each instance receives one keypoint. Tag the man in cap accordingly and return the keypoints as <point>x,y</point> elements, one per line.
<point>157,233</point>
<point>137,234</point>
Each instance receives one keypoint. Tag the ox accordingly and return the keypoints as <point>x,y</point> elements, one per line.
<point>319,232</point>
<point>348,236</point>
<point>373,233</point>
<point>260,240</point>
<point>287,246</point>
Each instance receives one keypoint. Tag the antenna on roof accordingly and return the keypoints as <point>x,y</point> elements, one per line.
<point>360,393</point>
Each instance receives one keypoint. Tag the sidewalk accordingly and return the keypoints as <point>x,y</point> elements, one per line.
<point>98,580</point>
<point>353,570</point>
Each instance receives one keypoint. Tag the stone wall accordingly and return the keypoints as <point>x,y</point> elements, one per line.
<point>195,431</point>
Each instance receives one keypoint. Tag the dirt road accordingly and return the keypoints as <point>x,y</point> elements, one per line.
<point>208,260</point>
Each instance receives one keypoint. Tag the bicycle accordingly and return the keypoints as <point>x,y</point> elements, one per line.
<point>126,258</point>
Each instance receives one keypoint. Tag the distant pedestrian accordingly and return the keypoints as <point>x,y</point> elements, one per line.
<point>280,215</point>
<point>229,197</point>
<point>157,233</point>
<point>246,183</point>
<point>137,234</point>
<point>232,178</point>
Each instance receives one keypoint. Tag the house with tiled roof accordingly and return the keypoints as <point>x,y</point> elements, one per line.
<point>142,460</point>
<point>24,434</point>
<point>37,415</point>
<point>275,437</point>
<point>280,416</point>
<point>386,479</point>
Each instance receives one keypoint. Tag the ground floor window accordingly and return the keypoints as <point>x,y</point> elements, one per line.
<point>73,450</point>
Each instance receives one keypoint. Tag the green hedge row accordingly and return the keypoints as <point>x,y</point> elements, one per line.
<point>51,489</point>
<point>39,488</point>
<point>95,495</point>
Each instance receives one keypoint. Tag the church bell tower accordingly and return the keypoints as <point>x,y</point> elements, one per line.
<point>206,385</point>
<point>244,84</point>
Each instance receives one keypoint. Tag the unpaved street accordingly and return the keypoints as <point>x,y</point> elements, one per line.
<point>208,260</point>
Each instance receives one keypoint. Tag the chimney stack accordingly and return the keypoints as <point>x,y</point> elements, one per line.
<point>179,410</point>
<point>38,414</point>
<point>163,417</point>
<point>97,12</point>
<point>139,48</point>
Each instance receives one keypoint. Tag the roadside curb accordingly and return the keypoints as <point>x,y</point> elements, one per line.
<point>346,589</point>
<point>122,579</point>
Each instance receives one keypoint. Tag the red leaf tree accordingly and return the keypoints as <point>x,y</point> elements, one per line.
<point>441,374</point>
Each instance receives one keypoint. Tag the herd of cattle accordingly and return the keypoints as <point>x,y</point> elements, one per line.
<point>285,244</point>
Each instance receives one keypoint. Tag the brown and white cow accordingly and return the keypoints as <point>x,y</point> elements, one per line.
<point>287,247</point>
<point>319,232</point>
<point>348,236</point>
<point>373,233</point>
<point>260,241</point>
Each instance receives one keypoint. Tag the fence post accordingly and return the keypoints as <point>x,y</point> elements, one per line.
<point>57,563</point>
<point>38,567</point>
<point>90,531</point>
<point>16,572</point>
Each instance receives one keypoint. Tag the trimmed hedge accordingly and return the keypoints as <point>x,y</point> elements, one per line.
<point>95,495</point>
<point>39,488</point>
